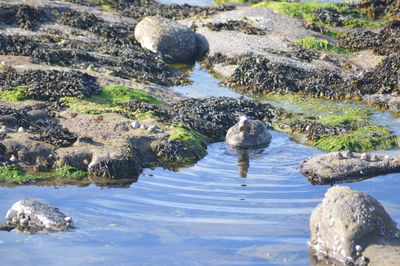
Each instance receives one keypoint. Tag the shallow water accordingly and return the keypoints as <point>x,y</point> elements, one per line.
<point>228,209</point>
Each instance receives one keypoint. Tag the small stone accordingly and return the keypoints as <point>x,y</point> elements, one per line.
<point>365,157</point>
<point>13,158</point>
<point>374,158</point>
<point>339,156</point>
<point>348,154</point>
<point>358,248</point>
<point>21,129</point>
<point>143,127</point>
<point>135,124</point>
<point>4,129</point>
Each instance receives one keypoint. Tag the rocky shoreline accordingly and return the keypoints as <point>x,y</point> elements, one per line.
<point>85,97</point>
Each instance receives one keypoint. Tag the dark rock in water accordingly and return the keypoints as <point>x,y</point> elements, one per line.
<point>235,25</point>
<point>347,222</point>
<point>50,84</point>
<point>336,167</point>
<point>120,163</point>
<point>248,133</point>
<point>31,216</point>
<point>168,38</point>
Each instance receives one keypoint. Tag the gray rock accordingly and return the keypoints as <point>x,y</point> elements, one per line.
<point>135,124</point>
<point>248,133</point>
<point>338,167</point>
<point>347,222</point>
<point>4,129</point>
<point>170,39</point>
<point>31,216</point>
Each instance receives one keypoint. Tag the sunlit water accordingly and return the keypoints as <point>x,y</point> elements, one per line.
<point>228,209</point>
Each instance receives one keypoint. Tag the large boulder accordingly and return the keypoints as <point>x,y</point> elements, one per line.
<point>346,166</point>
<point>347,222</point>
<point>248,133</point>
<point>31,216</point>
<point>170,39</point>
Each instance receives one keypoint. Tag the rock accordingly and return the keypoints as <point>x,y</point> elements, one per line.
<point>31,216</point>
<point>21,129</point>
<point>348,221</point>
<point>248,133</point>
<point>4,129</point>
<point>122,163</point>
<point>169,38</point>
<point>337,167</point>
<point>135,124</point>
<point>380,255</point>
<point>152,128</point>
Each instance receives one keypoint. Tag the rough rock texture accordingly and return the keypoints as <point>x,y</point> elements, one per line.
<point>31,216</point>
<point>384,101</point>
<point>346,166</point>
<point>347,222</point>
<point>248,133</point>
<point>169,38</point>
<point>379,255</point>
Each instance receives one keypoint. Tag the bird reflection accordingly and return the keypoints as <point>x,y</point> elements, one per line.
<point>243,162</point>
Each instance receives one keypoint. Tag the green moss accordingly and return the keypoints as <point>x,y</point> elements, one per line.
<point>114,95</point>
<point>304,10</point>
<point>367,138</point>
<point>194,143</point>
<point>364,136</point>
<point>322,45</point>
<point>16,94</point>
<point>333,33</point>
<point>146,115</point>
<point>13,174</point>
<point>108,100</point>
<point>69,172</point>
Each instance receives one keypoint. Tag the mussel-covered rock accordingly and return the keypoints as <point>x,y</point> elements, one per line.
<point>347,166</point>
<point>248,133</point>
<point>347,222</point>
<point>171,39</point>
<point>235,25</point>
<point>50,84</point>
<point>120,163</point>
<point>31,216</point>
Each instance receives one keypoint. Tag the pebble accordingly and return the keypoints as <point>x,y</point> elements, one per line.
<point>13,158</point>
<point>358,248</point>
<point>143,127</point>
<point>21,129</point>
<point>4,129</point>
<point>152,128</point>
<point>135,124</point>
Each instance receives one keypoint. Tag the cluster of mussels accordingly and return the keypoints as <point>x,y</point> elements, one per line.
<point>141,8</point>
<point>235,25</point>
<point>26,16</point>
<point>331,16</point>
<point>119,55</point>
<point>314,131</point>
<point>211,117</point>
<point>386,42</point>
<point>380,8</point>
<point>49,84</point>
<point>42,127</point>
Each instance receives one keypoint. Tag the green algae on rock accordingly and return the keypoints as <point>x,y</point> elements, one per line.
<point>15,94</point>
<point>13,174</point>
<point>322,45</point>
<point>109,100</point>
<point>332,127</point>
<point>341,15</point>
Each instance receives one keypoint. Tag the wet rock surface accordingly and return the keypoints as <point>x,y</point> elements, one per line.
<point>336,167</point>
<point>32,217</point>
<point>348,222</point>
<point>381,8</point>
<point>248,133</point>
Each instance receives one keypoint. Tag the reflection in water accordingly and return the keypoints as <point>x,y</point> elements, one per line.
<point>243,162</point>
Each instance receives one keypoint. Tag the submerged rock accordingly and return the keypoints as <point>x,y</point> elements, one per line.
<point>338,166</point>
<point>347,222</point>
<point>169,38</point>
<point>31,216</point>
<point>248,133</point>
